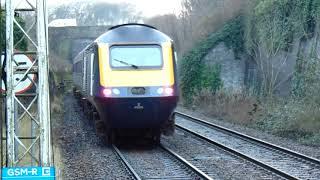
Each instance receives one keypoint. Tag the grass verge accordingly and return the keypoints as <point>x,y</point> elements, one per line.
<point>295,119</point>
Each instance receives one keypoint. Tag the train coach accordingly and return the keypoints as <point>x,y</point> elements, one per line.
<point>126,80</point>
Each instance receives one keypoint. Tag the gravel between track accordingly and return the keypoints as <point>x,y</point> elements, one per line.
<point>83,154</point>
<point>156,163</point>
<point>286,163</point>
<point>210,158</point>
<point>284,142</point>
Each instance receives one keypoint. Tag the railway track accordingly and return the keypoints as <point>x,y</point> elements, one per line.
<point>213,160</point>
<point>281,161</point>
<point>159,163</point>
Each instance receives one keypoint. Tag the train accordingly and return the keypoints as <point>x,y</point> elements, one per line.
<point>126,81</point>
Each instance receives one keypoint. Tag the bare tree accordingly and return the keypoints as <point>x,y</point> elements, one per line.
<point>269,40</point>
<point>100,13</point>
<point>168,24</point>
<point>197,19</point>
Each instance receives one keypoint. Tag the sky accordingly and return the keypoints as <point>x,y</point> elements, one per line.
<point>148,8</point>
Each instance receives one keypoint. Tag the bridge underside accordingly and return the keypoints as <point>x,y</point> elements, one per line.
<point>67,42</point>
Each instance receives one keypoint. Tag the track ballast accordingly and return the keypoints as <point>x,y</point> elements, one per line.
<point>284,162</point>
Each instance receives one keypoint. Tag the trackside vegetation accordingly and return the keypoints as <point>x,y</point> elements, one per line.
<point>264,31</point>
<point>193,72</point>
<point>19,39</point>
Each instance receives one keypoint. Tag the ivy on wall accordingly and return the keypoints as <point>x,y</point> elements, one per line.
<point>194,75</point>
<point>271,25</point>
<point>210,78</point>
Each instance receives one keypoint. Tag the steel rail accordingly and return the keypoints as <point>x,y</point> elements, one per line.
<point>125,161</point>
<point>169,151</point>
<point>232,151</point>
<point>186,163</point>
<point>246,137</point>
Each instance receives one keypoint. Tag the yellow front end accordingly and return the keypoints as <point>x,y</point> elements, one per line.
<point>110,77</point>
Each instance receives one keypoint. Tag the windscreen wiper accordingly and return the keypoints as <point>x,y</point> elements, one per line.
<point>126,63</point>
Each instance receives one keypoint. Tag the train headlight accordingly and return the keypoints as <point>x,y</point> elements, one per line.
<point>107,92</point>
<point>116,91</point>
<point>160,90</point>
<point>168,91</point>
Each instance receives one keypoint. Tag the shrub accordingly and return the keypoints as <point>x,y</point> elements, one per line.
<point>237,108</point>
<point>210,78</point>
<point>299,120</point>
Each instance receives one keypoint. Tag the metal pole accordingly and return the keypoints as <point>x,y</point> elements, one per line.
<point>1,99</point>
<point>10,90</point>
<point>44,110</point>
<point>39,134</point>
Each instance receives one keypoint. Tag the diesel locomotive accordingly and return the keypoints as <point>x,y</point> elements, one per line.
<point>126,80</point>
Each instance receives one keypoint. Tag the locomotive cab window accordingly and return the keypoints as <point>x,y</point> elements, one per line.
<point>136,56</point>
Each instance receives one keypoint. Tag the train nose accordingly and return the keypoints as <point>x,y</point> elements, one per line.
<point>134,113</point>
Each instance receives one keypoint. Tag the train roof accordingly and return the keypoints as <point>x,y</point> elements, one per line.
<point>133,33</point>
<point>130,24</point>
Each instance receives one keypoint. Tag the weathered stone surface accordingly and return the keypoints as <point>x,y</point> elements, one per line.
<point>232,69</point>
<point>75,37</point>
<point>239,73</point>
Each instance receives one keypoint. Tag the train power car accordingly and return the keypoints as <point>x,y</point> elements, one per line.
<point>127,81</point>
